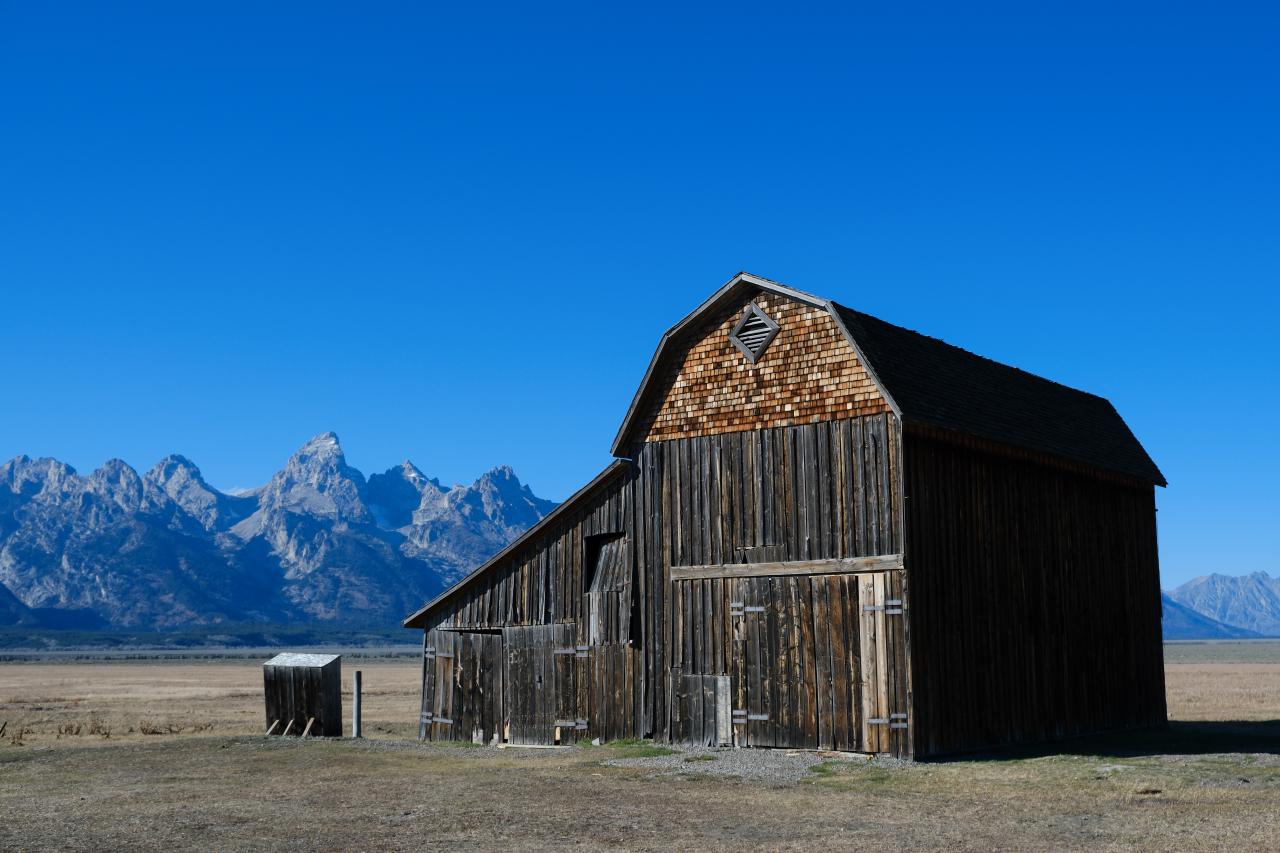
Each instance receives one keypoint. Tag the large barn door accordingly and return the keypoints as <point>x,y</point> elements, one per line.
<point>794,661</point>
<point>539,674</point>
<point>814,661</point>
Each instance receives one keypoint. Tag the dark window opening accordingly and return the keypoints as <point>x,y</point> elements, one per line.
<point>610,610</point>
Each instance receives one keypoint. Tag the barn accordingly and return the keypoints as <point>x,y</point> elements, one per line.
<point>821,530</point>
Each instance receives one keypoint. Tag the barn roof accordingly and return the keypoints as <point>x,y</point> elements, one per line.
<point>940,385</point>
<point>606,476</point>
<point>932,383</point>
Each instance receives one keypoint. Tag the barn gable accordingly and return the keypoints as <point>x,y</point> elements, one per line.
<point>756,355</point>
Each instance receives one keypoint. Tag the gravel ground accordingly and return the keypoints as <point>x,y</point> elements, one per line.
<point>761,766</point>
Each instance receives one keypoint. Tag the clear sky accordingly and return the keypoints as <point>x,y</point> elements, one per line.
<point>455,234</point>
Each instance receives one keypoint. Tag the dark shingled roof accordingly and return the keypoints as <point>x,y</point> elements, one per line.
<point>940,385</point>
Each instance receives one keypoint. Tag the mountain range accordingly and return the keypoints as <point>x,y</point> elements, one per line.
<point>1244,603</point>
<point>321,544</point>
<point>318,543</point>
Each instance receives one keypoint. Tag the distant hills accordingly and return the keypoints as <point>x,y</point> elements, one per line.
<point>1183,623</point>
<point>1249,602</point>
<point>319,543</point>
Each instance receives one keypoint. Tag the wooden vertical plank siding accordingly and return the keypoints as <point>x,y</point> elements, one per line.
<point>1056,572</point>
<point>303,692</point>
<point>718,515</point>
<point>784,554</point>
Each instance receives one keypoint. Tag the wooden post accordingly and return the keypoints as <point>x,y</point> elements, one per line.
<point>355,706</point>
<point>287,728</point>
<point>307,730</point>
<point>269,731</point>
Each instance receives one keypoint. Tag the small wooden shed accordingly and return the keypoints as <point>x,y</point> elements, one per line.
<point>302,688</point>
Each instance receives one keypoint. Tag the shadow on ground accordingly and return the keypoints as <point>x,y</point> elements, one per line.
<point>1180,737</point>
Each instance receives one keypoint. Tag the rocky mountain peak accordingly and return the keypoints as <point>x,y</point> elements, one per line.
<point>318,481</point>
<point>507,501</point>
<point>177,479</point>
<point>117,483</point>
<point>23,475</point>
<point>175,465</point>
<point>494,508</point>
<point>393,495</point>
<point>323,446</point>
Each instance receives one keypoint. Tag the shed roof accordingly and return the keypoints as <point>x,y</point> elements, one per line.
<point>298,659</point>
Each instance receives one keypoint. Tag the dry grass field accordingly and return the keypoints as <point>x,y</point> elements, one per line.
<point>169,754</point>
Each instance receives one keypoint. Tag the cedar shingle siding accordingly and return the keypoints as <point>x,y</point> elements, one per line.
<point>808,373</point>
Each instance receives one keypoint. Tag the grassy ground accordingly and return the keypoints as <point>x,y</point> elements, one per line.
<point>1212,781</point>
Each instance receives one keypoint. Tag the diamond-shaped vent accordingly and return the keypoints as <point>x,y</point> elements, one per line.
<point>754,332</point>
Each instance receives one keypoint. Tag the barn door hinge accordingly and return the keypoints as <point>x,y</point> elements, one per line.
<point>429,652</point>
<point>892,607</point>
<point>425,718</point>
<point>893,721</point>
<point>568,651</point>
<point>741,716</point>
<point>738,608</point>
<point>582,651</point>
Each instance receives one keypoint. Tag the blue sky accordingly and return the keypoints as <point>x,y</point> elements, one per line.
<point>456,234</point>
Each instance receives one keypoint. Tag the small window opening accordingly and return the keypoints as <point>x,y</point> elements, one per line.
<point>754,332</point>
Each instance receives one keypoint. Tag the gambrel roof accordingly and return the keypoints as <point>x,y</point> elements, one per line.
<point>931,383</point>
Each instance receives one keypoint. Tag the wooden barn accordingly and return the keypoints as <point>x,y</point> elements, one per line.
<point>821,530</point>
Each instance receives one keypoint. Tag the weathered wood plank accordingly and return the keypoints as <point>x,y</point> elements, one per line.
<point>846,565</point>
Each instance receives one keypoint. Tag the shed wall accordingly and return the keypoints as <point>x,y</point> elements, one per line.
<point>296,694</point>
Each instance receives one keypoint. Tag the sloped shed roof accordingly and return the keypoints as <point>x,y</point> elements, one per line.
<point>302,660</point>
